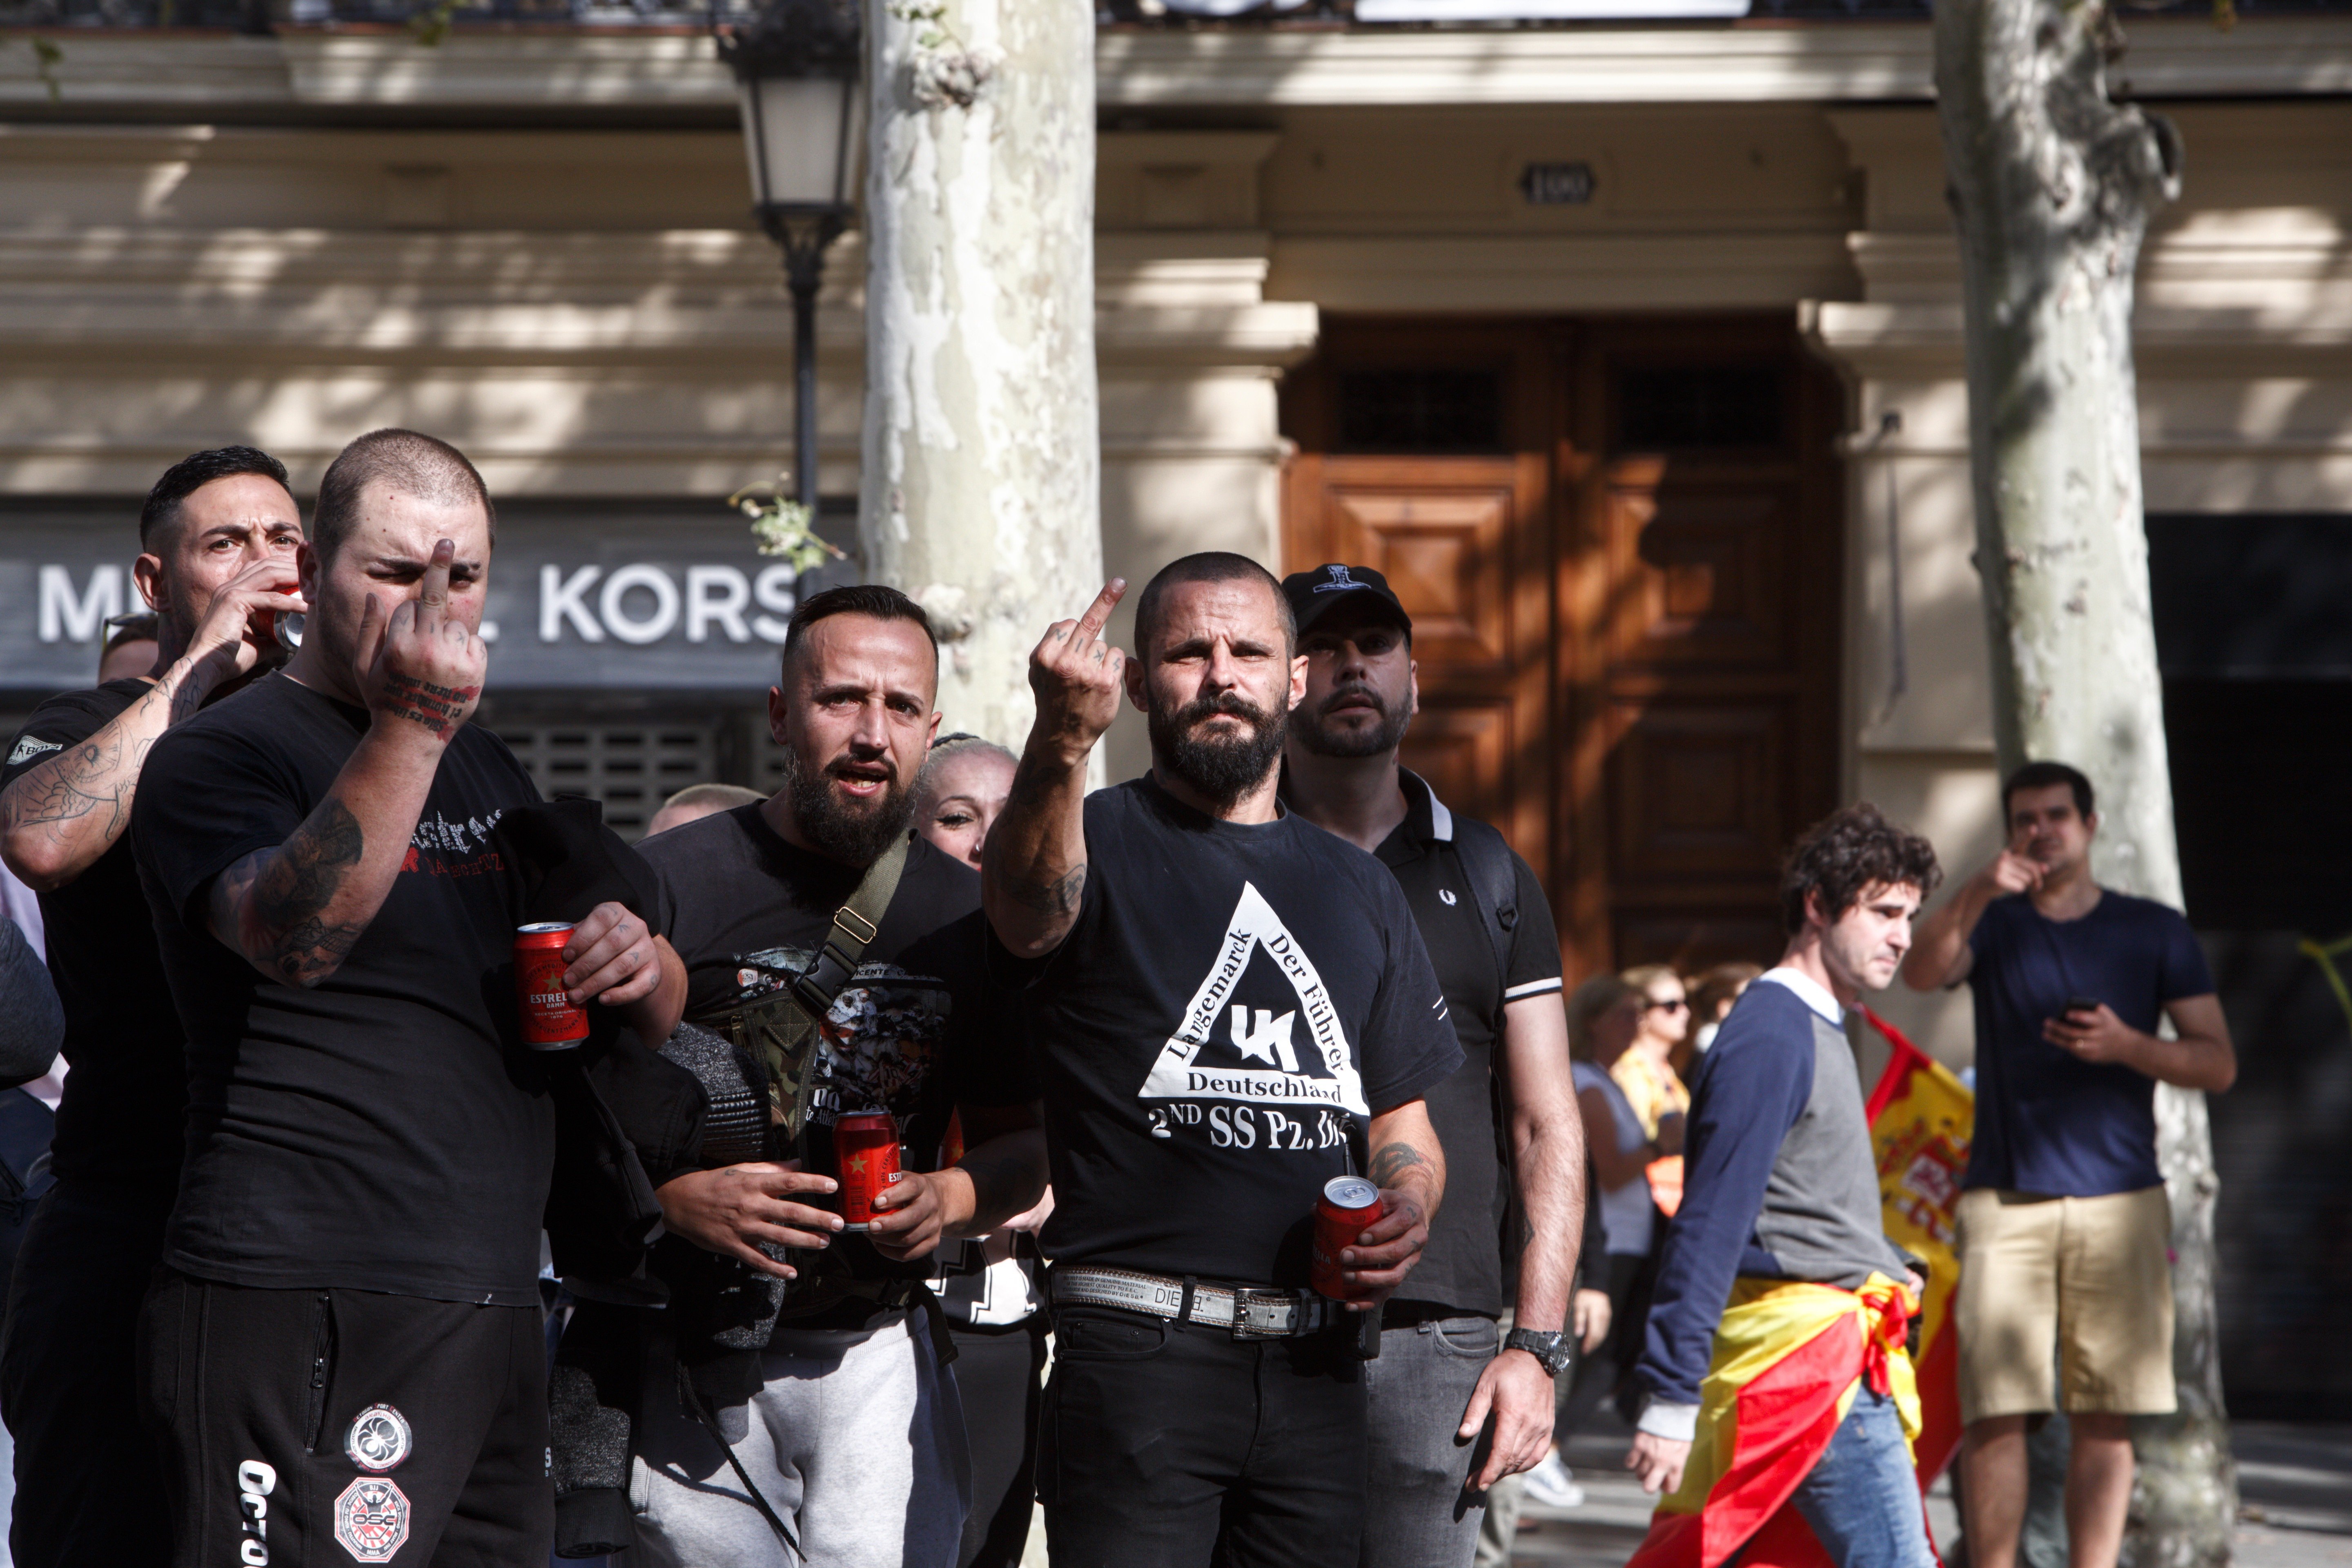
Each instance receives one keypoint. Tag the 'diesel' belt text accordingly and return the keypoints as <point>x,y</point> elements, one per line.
<point>1250,1312</point>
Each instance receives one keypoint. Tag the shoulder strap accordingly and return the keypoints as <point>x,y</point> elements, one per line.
<point>855,926</point>
<point>1494,884</point>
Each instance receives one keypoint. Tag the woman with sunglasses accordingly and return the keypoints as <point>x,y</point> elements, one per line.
<point>1645,1072</point>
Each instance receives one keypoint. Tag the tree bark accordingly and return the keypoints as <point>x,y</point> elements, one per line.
<point>2051,184</point>
<point>981,489</point>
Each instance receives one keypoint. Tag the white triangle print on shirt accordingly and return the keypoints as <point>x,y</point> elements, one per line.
<point>1259,1034</point>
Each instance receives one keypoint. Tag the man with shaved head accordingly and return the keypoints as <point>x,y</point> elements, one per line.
<point>342,1353</point>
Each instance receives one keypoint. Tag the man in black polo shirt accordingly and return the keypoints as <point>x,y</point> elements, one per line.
<point>216,539</point>
<point>1223,999</point>
<point>1440,1381</point>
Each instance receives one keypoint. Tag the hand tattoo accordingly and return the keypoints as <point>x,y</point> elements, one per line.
<point>1394,1161</point>
<point>440,709</point>
<point>285,929</point>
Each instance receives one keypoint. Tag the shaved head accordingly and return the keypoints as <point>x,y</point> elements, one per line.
<point>407,461</point>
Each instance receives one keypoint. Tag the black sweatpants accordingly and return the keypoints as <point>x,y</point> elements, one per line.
<point>1175,1444</point>
<point>255,1395</point>
<point>1000,1382</point>
<point>68,1376</point>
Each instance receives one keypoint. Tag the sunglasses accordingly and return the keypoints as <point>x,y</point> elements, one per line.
<point>1676,1006</point>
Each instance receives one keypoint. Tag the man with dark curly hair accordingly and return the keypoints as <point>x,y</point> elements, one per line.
<point>1779,1392</point>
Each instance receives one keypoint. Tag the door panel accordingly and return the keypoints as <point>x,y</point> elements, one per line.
<point>1626,621</point>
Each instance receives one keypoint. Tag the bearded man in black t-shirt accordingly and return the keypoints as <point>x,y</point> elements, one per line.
<point>1224,1001</point>
<point>814,1404</point>
<point>343,1353</point>
<point>216,537</point>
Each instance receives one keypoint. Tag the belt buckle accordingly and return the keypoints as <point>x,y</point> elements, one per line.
<point>1263,1314</point>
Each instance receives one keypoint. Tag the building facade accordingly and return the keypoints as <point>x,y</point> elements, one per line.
<point>1632,353</point>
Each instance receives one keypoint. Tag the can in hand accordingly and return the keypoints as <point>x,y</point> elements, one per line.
<point>1347,1205</point>
<point>549,1021</point>
<point>865,1163</point>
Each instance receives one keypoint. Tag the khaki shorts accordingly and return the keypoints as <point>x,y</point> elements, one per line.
<point>2090,1278</point>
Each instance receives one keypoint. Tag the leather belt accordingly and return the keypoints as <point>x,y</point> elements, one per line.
<point>1250,1312</point>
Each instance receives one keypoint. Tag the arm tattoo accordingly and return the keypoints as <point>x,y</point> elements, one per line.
<point>285,929</point>
<point>440,709</point>
<point>70,786</point>
<point>1394,1161</point>
<point>1059,897</point>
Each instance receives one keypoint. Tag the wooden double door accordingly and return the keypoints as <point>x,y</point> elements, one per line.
<point>1620,544</point>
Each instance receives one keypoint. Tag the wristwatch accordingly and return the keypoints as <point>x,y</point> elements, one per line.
<point>1552,1352</point>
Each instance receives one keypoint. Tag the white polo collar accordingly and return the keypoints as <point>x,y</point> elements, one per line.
<point>1808,991</point>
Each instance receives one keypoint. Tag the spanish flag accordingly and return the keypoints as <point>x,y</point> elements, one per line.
<point>1921,1118</point>
<point>1789,1359</point>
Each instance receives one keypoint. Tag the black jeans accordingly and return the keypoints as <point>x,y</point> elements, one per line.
<point>1176,1445</point>
<point>68,1382</point>
<point>998,1375</point>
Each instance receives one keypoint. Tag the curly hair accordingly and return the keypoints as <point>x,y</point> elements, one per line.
<point>1846,854</point>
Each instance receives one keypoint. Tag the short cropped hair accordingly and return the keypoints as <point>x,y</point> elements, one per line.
<point>1208,566</point>
<point>193,473</point>
<point>1585,1005</point>
<point>947,749</point>
<point>718,796</point>
<point>406,460</point>
<point>884,603</point>
<point>1846,854</point>
<point>2044,776</point>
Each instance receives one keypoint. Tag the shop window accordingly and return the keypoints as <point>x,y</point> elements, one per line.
<point>1420,411</point>
<point>1670,409</point>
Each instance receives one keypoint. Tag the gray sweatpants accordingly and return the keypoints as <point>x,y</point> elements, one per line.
<point>855,1440</point>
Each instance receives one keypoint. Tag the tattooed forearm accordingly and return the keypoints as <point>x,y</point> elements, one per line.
<point>60,818</point>
<point>1059,897</point>
<point>282,920</point>
<point>440,709</point>
<point>1394,1160</point>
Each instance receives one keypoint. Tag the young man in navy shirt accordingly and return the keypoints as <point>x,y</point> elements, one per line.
<point>1780,1187</point>
<point>2063,1226</point>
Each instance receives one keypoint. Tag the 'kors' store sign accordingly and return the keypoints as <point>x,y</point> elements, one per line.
<point>650,595</point>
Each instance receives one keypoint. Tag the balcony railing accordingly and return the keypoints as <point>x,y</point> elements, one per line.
<point>432,19</point>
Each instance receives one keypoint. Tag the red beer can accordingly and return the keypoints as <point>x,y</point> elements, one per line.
<point>865,1161</point>
<point>1347,1205</point>
<point>549,1021</point>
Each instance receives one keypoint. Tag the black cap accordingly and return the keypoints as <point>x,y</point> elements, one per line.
<point>1313,594</point>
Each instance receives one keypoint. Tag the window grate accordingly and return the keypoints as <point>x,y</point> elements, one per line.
<point>1420,411</point>
<point>631,768</point>
<point>1669,408</point>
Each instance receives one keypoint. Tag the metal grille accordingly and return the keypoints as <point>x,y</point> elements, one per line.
<point>631,768</point>
<point>1420,411</point>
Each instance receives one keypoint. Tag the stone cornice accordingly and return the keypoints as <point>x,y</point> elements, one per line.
<point>575,69</point>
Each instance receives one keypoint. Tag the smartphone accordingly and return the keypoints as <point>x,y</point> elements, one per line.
<point>2081,1004</point>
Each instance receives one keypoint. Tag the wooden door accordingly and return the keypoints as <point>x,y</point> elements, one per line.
<point>1620,546</point>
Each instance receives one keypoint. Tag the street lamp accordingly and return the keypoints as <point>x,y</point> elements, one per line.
<point>796,69</point>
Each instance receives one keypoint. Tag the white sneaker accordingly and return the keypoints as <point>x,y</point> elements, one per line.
<point>1550,1484</point>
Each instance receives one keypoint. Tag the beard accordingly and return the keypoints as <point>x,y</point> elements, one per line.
<point>1221,768</point>
<point>853,831</point>
<point>1319,735</point>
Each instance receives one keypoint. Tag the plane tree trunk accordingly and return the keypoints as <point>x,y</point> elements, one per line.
<point>981,490</point>
<point>2052,185</point>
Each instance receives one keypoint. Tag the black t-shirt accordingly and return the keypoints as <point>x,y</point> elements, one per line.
<point>1463,1264</point>
<point>125,1097</point>
<point>384,1130</point>
<point>1235,1001</point>
<point>917,1034</point>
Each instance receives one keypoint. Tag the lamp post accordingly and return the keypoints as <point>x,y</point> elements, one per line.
<point>796,69</point>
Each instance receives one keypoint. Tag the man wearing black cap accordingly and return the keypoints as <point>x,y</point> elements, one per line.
<point>1454,1406</point>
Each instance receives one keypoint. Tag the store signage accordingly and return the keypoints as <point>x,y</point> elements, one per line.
<point>1556,184</point>
<point>657,600</point>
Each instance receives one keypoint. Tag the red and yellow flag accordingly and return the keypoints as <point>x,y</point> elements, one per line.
<point>1921,1118</point>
